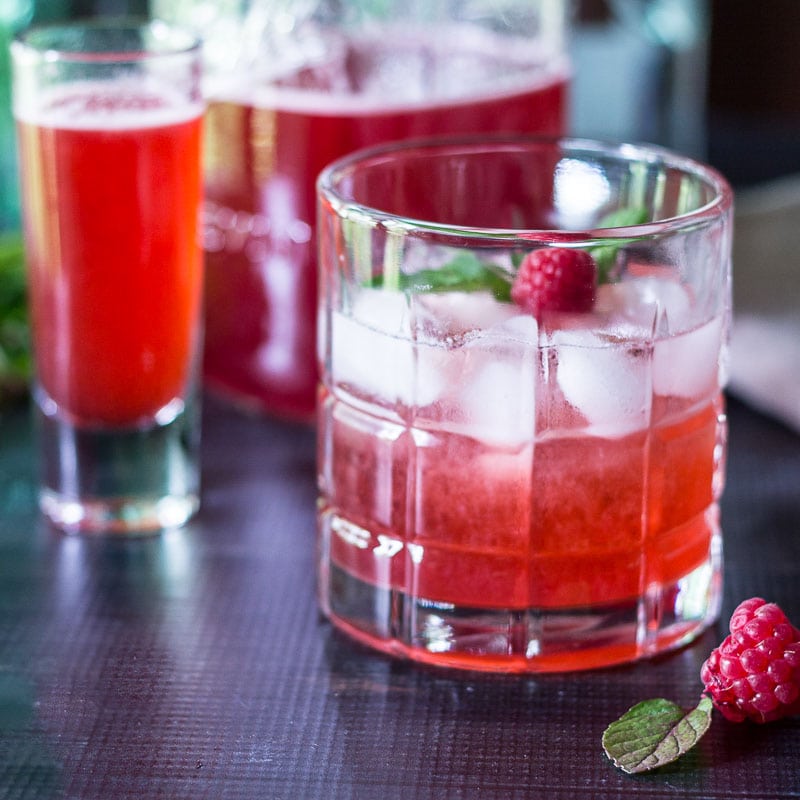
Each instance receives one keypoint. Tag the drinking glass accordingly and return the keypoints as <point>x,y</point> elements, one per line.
<point>308,82</point>
<point>109,122</point>
<point>522,434</point>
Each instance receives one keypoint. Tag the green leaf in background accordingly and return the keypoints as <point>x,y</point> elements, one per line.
<point>605,255</point>
<point>15,351</point>
<point>654,733</point>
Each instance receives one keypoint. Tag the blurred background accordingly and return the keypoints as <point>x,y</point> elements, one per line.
<point>715,79</point>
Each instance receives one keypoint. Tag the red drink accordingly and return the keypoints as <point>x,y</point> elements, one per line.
<point>112,201</point>
<point>475,515</point>
<point>109,121</point>
<point>521,427</point>
<point>568,523</point>
<point>266,147</point>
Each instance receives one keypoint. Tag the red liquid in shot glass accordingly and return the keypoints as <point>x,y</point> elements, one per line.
<point>112,214</point>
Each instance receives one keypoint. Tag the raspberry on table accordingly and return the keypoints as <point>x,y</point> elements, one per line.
<point>556,279</point>
<point>755,672</point>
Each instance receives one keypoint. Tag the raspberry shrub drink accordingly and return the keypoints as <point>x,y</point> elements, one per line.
<point>109,125</point>
<point>278,117</point>
<point>103,358</point>
<point>522,430</point>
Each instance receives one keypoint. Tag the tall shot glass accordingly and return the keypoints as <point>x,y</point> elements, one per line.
<point>109,128</point>
<point>521,421</point>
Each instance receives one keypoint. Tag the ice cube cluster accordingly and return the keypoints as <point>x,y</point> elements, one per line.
<point>470,364</point>
<point>641,340</point>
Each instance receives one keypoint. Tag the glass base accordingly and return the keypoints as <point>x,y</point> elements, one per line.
<point>129,481</point>
<point>525,640</point>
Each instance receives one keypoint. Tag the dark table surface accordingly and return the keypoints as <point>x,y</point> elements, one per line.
<point>195,664</point>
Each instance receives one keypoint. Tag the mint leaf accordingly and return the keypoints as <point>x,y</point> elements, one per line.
<point>624,217</point>
<point>464,273</point>
<point>654,733</point>
<point>605,255</point>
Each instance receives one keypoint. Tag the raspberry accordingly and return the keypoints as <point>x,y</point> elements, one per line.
<point>755,672</point>
<point>555,279</point>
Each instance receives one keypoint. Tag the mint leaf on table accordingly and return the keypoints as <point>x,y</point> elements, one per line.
<point>605,255</point>
<point>654,733</point>
<point>464,273</point>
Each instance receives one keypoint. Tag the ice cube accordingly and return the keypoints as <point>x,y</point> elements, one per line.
<point>521,328</point>
<point>688,365</point>
<point>368,361</point>
<point>382,310</point>
<point>372,351</point>
<point>457,313</point>
<point>606,380</point>
<point>370,347</point>
<point>634,305</point>
<point>495,384</point>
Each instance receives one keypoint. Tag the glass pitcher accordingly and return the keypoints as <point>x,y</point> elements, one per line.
<point>293,85</point>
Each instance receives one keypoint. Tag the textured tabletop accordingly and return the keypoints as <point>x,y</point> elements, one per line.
<point>195,664</point>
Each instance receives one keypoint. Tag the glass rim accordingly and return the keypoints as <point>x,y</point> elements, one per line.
<point>624,152</point>
<point>40,41</point>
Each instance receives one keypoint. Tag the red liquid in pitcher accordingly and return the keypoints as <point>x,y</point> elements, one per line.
<point>265,149</point>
